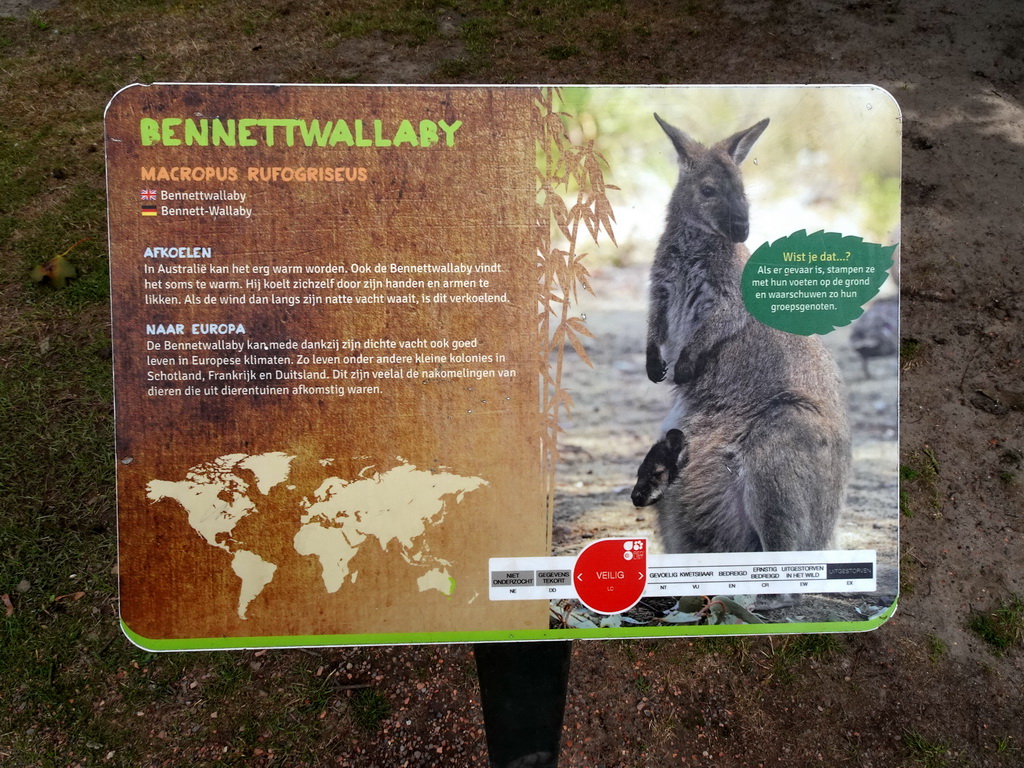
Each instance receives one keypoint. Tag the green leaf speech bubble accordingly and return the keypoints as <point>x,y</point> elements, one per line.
<point>806,284</point>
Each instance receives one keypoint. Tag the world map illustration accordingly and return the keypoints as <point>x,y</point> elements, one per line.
<point>399,506</point>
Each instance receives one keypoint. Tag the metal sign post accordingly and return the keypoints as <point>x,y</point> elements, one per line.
<point>523,690</point>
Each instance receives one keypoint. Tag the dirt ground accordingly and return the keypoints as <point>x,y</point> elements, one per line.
<point>922,690</point>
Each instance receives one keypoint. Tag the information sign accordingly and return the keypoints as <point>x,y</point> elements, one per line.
<point>433,364</point>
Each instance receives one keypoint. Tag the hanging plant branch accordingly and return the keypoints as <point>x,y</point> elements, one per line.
<point>564,168</point>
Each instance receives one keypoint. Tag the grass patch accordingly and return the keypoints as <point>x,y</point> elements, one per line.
<point>905,508</point>
<point>412,23</point>
<point>643,685</point>
<point>910,352</point>
<point>926,752</point>
<point>786,654</point>
<point>453,69</point>
<point>1012,459</point>
<point>561,52</point>
<point>1004,745</point>
<point>369,708</point>
<point>796,648</point>
<point>919,479</point>
<point>1002,628</point>
<point>60,649</point>
<point>908,474</point>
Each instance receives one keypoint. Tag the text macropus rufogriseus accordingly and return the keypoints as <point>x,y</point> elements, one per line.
<point>762,411</point>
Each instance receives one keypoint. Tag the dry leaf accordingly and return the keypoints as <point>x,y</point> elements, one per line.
<point>562,272</point>
<point>58,269</point>
<point>8,605</point>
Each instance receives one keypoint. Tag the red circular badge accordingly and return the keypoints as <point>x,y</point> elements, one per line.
<point>610,575</point>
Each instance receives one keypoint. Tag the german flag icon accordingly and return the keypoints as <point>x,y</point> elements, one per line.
<point>149,210</point>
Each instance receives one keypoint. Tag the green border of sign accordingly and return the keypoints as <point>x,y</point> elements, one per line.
<point>416,638</point>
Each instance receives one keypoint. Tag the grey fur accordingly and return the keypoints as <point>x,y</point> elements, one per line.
<point>763,411</point>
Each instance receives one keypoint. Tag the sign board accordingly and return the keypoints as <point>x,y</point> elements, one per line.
<point>432,364</point>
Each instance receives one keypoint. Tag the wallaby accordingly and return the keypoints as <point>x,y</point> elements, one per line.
<point>763,411</point>
<point>659,468</point>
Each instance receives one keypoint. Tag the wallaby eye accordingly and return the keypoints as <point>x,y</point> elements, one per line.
<point>708,191</point>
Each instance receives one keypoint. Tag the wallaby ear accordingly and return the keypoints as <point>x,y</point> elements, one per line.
<point>686,147</point>
<point>738,145</point>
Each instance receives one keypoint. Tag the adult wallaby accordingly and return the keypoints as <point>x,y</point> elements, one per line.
<point>763,411</point>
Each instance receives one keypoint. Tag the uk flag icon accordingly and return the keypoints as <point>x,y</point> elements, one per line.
<point>147,194</point>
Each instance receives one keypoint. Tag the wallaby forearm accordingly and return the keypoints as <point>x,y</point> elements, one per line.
<point>657,333</point>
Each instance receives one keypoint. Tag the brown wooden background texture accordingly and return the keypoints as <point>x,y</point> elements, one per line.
<point>472,203</point>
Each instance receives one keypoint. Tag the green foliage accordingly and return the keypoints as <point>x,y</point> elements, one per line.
<point>369,708</point>
<point>789,652</point>
<point>21,179</point>
<point>910,349</point>
<point>255,21</point>
<point>231,675</point>
<point>908,473</point>
<point>56,456</point>
<point>919,474</point>
<point>561,52</point>
<point>926,752</point>
<point>37,21</point>
<point>409,21</point>
<point>811,646</point>
<point>480,36</point>
<point>1002,628</point>
<point>453,69</point>
<point>905,508</point>
<point>643,685</point>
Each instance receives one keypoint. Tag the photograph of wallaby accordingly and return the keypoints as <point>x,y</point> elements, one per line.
<point>693,423</point>
<point>763,412</point>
